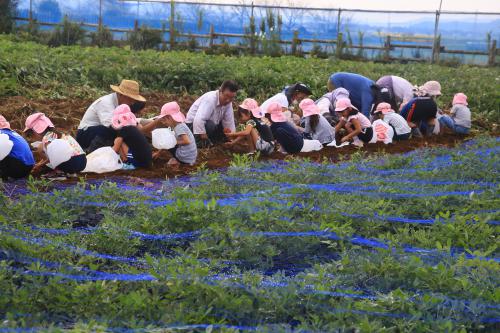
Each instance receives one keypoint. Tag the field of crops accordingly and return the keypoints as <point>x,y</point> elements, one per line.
<point>37,71</point>
<point>388,243</point>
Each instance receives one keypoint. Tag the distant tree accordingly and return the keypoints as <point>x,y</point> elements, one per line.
<point>68,33</point>
<point>7,14</point>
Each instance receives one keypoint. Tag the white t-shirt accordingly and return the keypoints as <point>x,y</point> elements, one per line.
<point>207,107</point>
<point>324,105</point>
<point>363,121</point>
<point>398,122</point>
<point>403,90</point>
<point>278,98</point>
<point>100,112</point>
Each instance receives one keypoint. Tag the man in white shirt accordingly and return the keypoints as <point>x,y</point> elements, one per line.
<point>212,115</point>
<point>326,104</point>
<point>399,89</point>
<point>95,129</point>
<point>296,92</point>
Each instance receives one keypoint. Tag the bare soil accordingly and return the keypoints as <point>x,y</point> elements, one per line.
<point>66,115</point>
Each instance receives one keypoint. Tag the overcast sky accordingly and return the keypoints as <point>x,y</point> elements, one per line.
<point>459,5</point>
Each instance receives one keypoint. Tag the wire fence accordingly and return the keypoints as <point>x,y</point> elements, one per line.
<point>464,37</point>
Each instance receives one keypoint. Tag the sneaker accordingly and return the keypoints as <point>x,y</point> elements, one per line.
<point>128,166</point>
<point>54,175</point>
<point>358,143</point>
<point>415,132</point>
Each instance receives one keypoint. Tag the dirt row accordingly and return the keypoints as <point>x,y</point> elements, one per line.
<point>66,115</point>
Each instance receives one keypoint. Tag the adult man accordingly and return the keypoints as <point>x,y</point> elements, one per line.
<point>399,90</point>
<point>95,129</point>
<point>296,92</point>
<point>212,114</point>
<point>362,90</point>
<point>326,104</point>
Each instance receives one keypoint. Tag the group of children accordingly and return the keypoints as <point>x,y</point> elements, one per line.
<point>259,131</point>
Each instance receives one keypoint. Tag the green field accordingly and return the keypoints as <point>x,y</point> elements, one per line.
<point>35,70</point>
<point>384,244</point>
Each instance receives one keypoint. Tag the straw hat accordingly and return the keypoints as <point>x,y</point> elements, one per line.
<point>130,89</point>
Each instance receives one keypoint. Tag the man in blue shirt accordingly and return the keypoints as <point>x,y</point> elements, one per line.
<point>361,89</point>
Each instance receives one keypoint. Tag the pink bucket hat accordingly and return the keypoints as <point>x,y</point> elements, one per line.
<point>123,116</point>
<point>384,108</point>
<point>308,107</point>
<point>277,115</point>
<point>344,103</point>
<point>460,98</point>
<point>432,88</point>
<point>4,124</point>
<point>173,110</point>
<point>38,123</point>
<point>251,105</point>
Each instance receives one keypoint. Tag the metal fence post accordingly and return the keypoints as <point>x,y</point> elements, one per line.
<point>31,12</point>
<point>163,41</point>
<point>340,45</point>
<point>212,36</point>
<point>387,51</point>
<point>172,24</point>
<point>492,53</point>
<point>100,15</point>
<point>338,21</point>
<point>436,26</point>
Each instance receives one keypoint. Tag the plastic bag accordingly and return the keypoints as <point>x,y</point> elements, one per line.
<point>334,144</point>
<point>382,132</point>
<point>58,152</point>
<point>5,146</point>
<point>102,160</point>
<point>163,138</point>
<point>311,145</point>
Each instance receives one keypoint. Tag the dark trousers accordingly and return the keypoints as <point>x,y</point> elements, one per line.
<point>13,168</point>
<point>74,165</point>
<point>215,133</point>
<point>95,137</point>
<point>288,141</point>
<point>138,145</point>
<point>367,135</point>
<point>400,137</point>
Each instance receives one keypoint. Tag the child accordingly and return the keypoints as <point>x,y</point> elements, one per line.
<point>286,134</point>
<point>123,120</point>
<point>358,127</point>
<point>401,129</point>
<point>68,150</point>
<point>258,135</point>
<point>316,126</point>
<point>19,160</point>
<point>460,120</point>
<point>420,112</point>
<point>185,152</point>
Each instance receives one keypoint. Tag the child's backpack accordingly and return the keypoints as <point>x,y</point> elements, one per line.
<point>5,146</point>
<point>382,132</point>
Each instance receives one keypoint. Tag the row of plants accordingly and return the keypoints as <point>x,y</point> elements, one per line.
<point>34,70</point>
<point>287,246</point>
